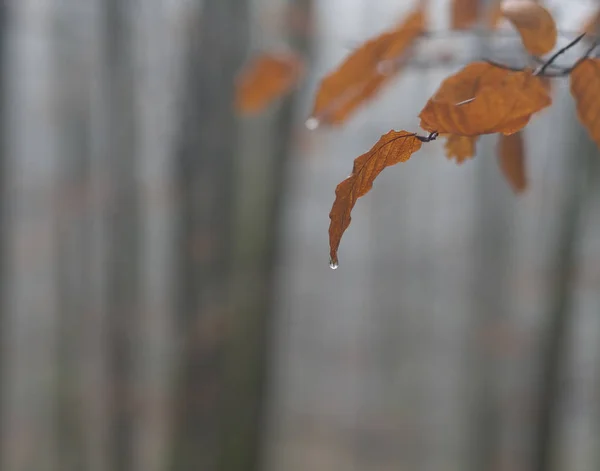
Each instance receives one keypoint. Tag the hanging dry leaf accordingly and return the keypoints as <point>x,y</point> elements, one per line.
<point>592,25</point>
<point>359,77</point>
<point>585,80</point>
<point>534,23</point>
<point>484,99</point>
<point>464,13</point>
<point>355,96</point>
<point>511,158</point>
<point>460,148</point>
<point>266,78</point>
<point>392,148</point>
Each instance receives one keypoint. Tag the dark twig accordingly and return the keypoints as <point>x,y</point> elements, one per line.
<point>564,71</point>
<point>558,53</point>
<point>503,66</point>
<point>561,71</point>
<point>541,61</point>
<point>442,34</point>
<point>542,70</point>
<point>490,34</point>
<point>431,137</point>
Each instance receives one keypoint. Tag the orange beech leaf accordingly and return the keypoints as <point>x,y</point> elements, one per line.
<point>534,23</point>
<point>464,13</point>
<point>511,158</point>
<point>360,77</point>
<point>460,148</point>
<point>484,99</point>
<point>585,81</point>
<point>356,95</point>
<point>392,148</point>
<point>266,78</point>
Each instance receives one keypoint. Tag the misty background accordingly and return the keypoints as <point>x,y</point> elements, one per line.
<point>166,300</point>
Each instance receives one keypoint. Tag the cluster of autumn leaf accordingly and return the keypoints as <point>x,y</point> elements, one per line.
<point>482,98</point>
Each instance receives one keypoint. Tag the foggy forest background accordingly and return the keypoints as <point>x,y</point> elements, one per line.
<point>166,300</point>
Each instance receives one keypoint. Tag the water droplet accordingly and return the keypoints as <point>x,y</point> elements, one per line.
<point>312,123</point>
<point>333,265</point>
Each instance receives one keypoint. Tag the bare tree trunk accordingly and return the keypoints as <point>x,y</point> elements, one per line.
<point>559,320</point>
<point>256,243</point>
<point>491,310</point>
<point>73,226</point>
<point>123,262</point>
<point>3,219</point>
<point>72,248</point>
<point>226,275</point>
<point>489,285</point>
<point>204,178</point>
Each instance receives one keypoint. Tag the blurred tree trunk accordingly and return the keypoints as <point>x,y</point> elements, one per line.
<point>123,225</point>
<point>3,200</point>
<point>226,258</point>
<point>73,226</point>
<point>490,272</point>
<point>490,313</point>
<point>204,178</point>
<point>558,322</point>
<point>255,246</point>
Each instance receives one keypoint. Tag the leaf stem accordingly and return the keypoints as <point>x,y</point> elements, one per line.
<point>431,137</point>
<point>503,66</point>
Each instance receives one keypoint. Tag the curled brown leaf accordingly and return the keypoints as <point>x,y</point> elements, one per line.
<point>360,76</point>
<point>534,23</point>
<point>392,148</point>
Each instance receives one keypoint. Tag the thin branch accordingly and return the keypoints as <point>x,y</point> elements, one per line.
<point>488,33</point>
<point>540,61</point>
<point>558,53</point>
<point>564,71</point>
<point>549,63</point>
<point>443,34</point>
<point>503,66</point>
<point>431,137</point>
<point>543,70</point>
